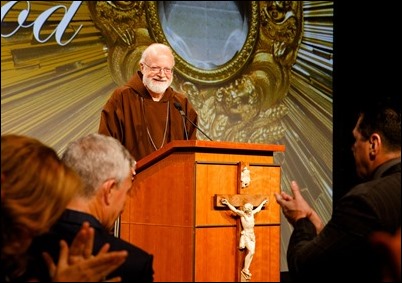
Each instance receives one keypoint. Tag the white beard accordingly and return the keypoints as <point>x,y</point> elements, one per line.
<point>154,86</point>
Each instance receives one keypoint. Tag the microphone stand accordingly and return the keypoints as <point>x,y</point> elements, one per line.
<point>178,107</point>
<point>185,128</point>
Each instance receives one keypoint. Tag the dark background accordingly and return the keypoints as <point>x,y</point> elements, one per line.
<point>366,68</point>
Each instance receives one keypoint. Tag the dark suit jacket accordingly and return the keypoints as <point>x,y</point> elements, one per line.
<point>341,252</point>
<point>138,266</point>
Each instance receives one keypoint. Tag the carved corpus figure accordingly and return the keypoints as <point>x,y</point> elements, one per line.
<point>247,237</point>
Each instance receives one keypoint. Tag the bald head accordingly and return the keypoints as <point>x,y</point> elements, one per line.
<point>157,50</point>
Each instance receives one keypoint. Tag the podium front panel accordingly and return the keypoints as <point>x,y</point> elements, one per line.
<point>172,214</point>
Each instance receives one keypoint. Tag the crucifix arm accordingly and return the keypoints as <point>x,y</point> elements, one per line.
<point>232,208</point>
<point>258,208</point>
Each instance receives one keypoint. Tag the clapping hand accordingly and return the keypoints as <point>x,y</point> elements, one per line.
<point>77,264</point>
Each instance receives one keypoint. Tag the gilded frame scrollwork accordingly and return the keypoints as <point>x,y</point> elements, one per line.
<point>220,74</point>
<point>238,100</point>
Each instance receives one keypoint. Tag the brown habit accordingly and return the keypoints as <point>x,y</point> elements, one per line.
<point>139,123</point>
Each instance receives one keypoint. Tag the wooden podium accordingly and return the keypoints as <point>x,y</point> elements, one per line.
<point>174,211</point>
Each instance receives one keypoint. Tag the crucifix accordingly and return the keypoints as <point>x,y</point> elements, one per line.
<point>243,206</point>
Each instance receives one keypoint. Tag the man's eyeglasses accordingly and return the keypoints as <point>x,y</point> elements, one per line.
<point>159,69</point>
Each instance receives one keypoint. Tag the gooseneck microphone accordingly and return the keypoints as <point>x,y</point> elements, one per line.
<point>178,107</point>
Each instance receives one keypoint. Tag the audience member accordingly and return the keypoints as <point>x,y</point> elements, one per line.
<point>107,170</point>
<point>142,114</point>
<point>35,188</point>
<point>340,250</point>
<point>387,247</point>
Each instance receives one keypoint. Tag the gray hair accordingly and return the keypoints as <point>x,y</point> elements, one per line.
<point>97,158</point>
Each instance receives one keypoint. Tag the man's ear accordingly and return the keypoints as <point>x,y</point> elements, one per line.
<point>375,144</point>
<point>107,190</point>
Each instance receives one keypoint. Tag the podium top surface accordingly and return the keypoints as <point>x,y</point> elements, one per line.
<point>207,146</point>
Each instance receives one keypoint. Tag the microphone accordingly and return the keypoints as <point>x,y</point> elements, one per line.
<point>178,107</point>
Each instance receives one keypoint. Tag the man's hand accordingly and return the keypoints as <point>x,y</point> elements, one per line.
<point>295,207</point>
<point>77,264</point>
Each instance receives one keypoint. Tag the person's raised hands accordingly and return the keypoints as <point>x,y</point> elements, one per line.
<point>77,264</point>
<point>296,207</point>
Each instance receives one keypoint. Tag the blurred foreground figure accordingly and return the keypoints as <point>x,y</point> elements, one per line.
<point>388,248</point>
<point>35,189</point>
<point>107,171</point>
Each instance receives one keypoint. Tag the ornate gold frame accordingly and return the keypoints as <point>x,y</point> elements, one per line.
<point>237,101</point>
<point>221,74</point>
